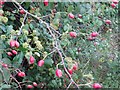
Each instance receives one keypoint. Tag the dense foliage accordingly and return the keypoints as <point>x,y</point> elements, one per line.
<point>59,45</point>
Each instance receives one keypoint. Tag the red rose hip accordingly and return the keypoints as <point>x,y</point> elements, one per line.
<point>96,86</point>
<point>2,2</point>
<point>21,74</point>
<point>12,43</point>
<point>45,2</point>
<point>73,34</point>
<point>70,15</point>
<point>58,73</point>
<point>17,44</point>
<point>79,15</point>
<point>75,67</point>
<point>9,54</point>
<point>35,84</point>
<point>22,11</point>
<point>115,1</point>
<point>70,71</point>
<point>107,21</point>
<point>32,59</point>
<point>41,63</point>
<point>14,52</point>
<point>94,34</point>
<point>4,65</point>
<point>29,86</point>
<point>113,5</point>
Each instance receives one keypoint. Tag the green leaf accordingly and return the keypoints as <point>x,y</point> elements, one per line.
<point>17,60</point>
<point>79,19</point>
<point>31,26</point>
<point>6,61</point>
<point>6,74</point>
<point>67,27</point>
<point>56,21</point>
<point>22,49</point>
<point>54,83</point>
<point>49,62</point>
<point>57,15</point>
<point>21,55</point>
<point>4,87</point>
<point>26,26</point>
<point>70,8</point>
<point>9,28</point>
<point>2,27</point>
<point>65,42</point>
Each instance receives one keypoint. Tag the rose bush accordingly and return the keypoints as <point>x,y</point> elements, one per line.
<point>59,45</point>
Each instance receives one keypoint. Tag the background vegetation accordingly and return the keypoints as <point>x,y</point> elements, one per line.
<point>43,32</point>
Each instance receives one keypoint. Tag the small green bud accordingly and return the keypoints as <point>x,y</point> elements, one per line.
<point>3,37</point>
<point>36,53</point>
<point>25,45</point>
<point>34,32</point>
<point>5,19</point>
<point>35,38</point>
<point>25,31</point>
<point>28,40</point>
<point>13,32</point>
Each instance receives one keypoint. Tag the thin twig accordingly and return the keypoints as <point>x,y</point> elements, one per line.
<point>56,45</point>
<point>69,85</point>
<point>16,82</point>
<point>20,31</point>
<point>38,18</point>
<point>85,66</point>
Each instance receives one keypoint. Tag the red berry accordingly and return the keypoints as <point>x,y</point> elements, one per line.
<point>41,63</point>
<point>45,2</point>
<point>22,11</point>
<point>21,74</point>
<point>70,15</point>
<point>113,5</point>
<point>79,15</point>
<point>17,44</point>
<point>29,86</point>
<point>96,86</point>
<point>115,1</point>
<point>107,21</point>
<point>0,6</point>
<point>91,38</point>
<point>94,34</point>
<point>35,84</point>
<point>73,34</point>
<point>4,65</point>
<point>2,2</point>
<point>9,54</point>
<point>32,59</point>
<point>12,43</point>
<point>70,71</point>
<point>75,67</point>
<point>58,73</point>
<point>14,52</point>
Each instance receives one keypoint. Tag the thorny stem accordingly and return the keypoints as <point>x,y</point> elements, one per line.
<point>38,18</point>
<point>10,76</point>
<point>16,81</point>
<point>69,85</point>
<point>20,31</point>
<point>56,43</point>
<point>48,54</point>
